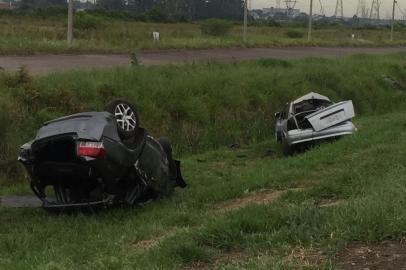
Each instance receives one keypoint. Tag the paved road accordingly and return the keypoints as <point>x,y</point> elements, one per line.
<point>41,64</point>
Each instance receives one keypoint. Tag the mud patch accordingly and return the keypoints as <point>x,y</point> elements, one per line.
<point>390,255</point>
<point>259,197</point>
<point>151,243</point>
<point>145,244</point>
<point>330,203</point>
<point>222,259</point>
<point>20,202</point>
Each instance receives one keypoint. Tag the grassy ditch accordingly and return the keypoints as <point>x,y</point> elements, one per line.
<point>361,177</point>
<point>199,107</point>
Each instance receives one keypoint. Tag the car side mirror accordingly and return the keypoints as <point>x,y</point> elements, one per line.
<point>277,115</point>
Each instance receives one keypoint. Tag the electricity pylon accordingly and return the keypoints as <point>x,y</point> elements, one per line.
<point>339,11</point>
<point>290,5</point>
<point>362,10</point>
<point>375,10</point>
<point>322,12</point>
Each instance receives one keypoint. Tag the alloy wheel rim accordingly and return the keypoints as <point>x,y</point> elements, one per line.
<point>125,117</point>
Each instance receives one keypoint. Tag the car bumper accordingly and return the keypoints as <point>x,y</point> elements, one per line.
<point>53,206</point>
<point>299,136</point>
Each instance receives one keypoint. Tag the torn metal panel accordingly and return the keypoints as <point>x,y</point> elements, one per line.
<point>332,115</point>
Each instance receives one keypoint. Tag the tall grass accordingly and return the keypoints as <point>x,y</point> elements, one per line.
<point>199,106</point>
<point>29,35</point>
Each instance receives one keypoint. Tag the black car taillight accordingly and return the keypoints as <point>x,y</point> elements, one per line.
<point>91,149</point>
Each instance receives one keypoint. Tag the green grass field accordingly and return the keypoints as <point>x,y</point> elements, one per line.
<point>198,106</point>
<point>194,228</point>
<point>318,202</point>
<point>34,35</point>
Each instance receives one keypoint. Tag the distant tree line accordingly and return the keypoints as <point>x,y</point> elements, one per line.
<point>42,3</point>
<point>186,9</point>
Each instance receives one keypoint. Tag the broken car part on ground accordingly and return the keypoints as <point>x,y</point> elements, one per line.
<point>99,159</point>
<point>313,118</point>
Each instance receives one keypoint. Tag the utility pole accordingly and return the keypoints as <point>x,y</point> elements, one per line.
<point>393,20</point>
<point>70,22</point>
<point>245,20</point>
<point>309,35</point>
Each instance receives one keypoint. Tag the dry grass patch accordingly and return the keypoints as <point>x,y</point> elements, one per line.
<point>264,196</point>
<point>326,203</point>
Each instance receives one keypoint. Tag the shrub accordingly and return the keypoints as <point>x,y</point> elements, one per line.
<point>294,34</point>
<point>134,59</point>
<point>216,27</point>
<point>86,21</point>
<point>157,15</point>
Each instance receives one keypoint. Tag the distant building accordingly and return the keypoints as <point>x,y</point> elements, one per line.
<point>275,11</point>
<point>5,5</point>
<point>278,14</point>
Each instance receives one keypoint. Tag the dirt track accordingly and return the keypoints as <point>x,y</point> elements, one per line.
<point>41,64</point>
<point>19,201</point>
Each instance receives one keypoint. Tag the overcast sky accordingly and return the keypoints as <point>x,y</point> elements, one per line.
<point>350,6</point>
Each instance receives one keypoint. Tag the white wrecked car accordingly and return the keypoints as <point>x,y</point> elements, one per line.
<point>312,118</point>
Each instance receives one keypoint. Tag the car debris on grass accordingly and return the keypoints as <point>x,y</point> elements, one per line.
<point>313,118</point>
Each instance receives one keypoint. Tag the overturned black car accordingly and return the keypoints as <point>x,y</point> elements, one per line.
<point>99,159</point>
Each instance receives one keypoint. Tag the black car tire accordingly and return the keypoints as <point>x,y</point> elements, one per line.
<point>126,115</point>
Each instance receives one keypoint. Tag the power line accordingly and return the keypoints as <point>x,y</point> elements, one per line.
<point>401,10</point>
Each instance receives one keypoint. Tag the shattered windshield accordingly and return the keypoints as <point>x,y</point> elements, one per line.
<point>307,107</point>
<point>310,106</point>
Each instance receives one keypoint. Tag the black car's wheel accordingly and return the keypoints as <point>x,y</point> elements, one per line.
<point>126,115</point>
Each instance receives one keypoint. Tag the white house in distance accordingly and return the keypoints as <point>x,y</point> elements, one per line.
<point>6,4</point>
